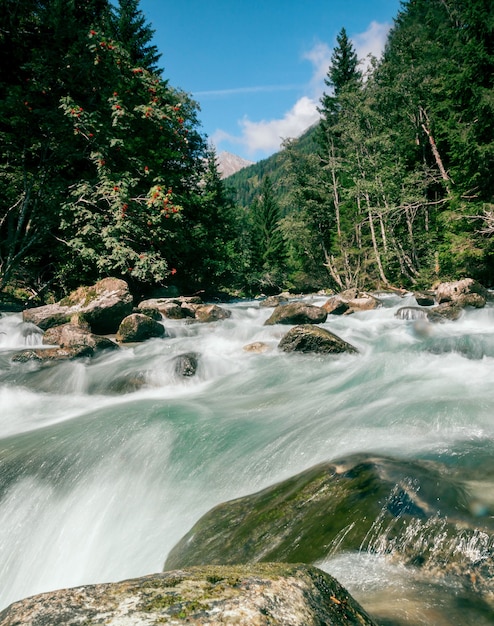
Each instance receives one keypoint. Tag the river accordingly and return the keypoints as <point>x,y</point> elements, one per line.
<point>98,485</point>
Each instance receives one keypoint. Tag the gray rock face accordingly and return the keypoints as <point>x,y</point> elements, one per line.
<point>258,595</point>
<point>309,338</point>
<point>139,327</point>
<point>297,313</point>
<point>103,306</point>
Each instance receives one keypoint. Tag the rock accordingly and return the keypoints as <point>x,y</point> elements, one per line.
<point>424,298</point>
<point>309,338</point>
<point>266,594</point>
<point>70,341</point>
<point>257,347</point>
<point>104,305</point>
<point>152,313</point>
<point>336,306</point>
<point>350,301</point>
<point>272,301</point>
<point>139,327</point>
<point>466,292</point>
<point>73,341</point>
<point>443,312</point>
<point>211,313</point>
<point>297,313</point>
<point>186,364</point>
<point>411,313</point>
<point>360,502</point>
<point>165,306</point>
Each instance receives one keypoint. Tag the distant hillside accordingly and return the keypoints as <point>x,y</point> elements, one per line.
<point>246,182</point>
<point>229,163</point>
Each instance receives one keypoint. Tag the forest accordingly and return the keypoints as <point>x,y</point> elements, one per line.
<point>105,170</point>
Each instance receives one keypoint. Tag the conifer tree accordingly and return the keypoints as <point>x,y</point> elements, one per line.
<point>135,34</point>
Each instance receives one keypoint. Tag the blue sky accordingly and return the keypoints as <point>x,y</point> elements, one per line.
<point>257,68</point>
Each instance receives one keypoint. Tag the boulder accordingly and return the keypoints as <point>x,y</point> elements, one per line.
<point>77,340</point>
<point>444,312</point>
<point>425,298</point>
<point>465,292</point>
<point>211,313</point>
<point>69,341</point>
<point>336,306</point>
<point>297,313</point>
<point>350,301</point>
<point>139,327</point>
<point>266,594</point>
<point>272,301</point>
<point>168,307</point>
<point>186,364</point>
<point>309,338</point>
<point>104,305</point>
<point>359,502</point>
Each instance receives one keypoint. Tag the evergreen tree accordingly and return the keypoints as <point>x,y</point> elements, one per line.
<point>135,34</point>
<point>268,254</point>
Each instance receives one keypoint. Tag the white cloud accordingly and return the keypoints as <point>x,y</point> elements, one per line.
<point>267,135</point>
<point>371,41</point>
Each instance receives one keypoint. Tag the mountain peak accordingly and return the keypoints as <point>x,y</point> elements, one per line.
<point>229,163</point>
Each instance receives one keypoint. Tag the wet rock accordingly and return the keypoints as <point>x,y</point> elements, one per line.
<point>309,338</point>
<point>350,301</point>
<point>272,301</point>
<point>436,314</point>
<point>138,327</point>
<point>70,336</point>
<point>260,595</point>
<point>465,292</point>
<point>425,298</point>
<point>336,306</point>
<point>167,307</point>
<point>297,313</point>
<point>355,503</point>
<point>211,313</point>
<point>186,364</point>
<point>444,312</point>
<point>411,313</point>
<point>104,305</point>
<point>69,341</point>
<point>257,347</point>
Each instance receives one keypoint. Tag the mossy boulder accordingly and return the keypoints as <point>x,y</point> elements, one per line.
<point>338,506</point>
<point>103,305</point>
<point>259,595</point>
<point>297,313</point>
<point>309,338</point>
<point>138,327</point>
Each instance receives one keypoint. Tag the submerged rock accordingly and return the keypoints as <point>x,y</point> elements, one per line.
<point>186,364</point>
<point>104,305</point>
<point>297,313</point>
<point>309,338</point>
<point>356,503</point>
<point>139,327</point>
<point>259,595</point>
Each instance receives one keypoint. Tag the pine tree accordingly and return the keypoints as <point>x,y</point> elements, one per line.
<point>135,34</point>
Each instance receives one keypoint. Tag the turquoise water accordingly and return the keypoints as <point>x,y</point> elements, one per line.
<point>98,486</point>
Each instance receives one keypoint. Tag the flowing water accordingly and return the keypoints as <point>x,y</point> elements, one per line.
<point>100,477</point>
